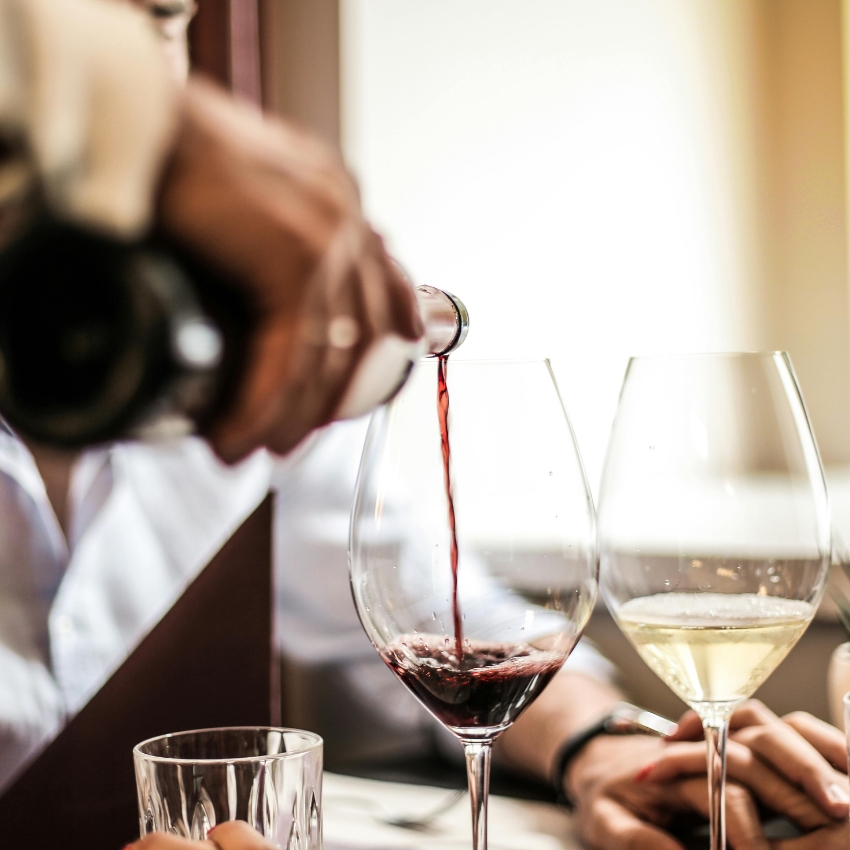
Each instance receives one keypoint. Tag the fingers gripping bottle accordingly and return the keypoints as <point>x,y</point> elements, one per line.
<point>103,340</point>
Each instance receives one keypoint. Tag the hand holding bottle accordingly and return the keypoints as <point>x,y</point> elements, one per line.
<point>276,211</point>
<point>333,327</point>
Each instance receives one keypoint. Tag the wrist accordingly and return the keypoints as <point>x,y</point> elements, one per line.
<point>580,750</point>
<point>572,701</point>
<point>581,771</point>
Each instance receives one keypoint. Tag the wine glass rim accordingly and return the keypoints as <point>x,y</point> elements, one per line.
<point>315,742</point>
<point>718,355</point>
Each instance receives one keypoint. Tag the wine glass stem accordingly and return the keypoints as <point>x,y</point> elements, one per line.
<point>716,734</point>
<point>478,774</point>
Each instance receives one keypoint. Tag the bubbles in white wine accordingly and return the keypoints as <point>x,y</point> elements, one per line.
<point>714,647</point>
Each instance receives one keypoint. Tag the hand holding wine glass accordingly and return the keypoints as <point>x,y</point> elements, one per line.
<point>473,552</point>
<point>642,792</point>
<point>713,530</point>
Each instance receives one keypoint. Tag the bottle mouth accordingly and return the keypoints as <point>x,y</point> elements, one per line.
<point>446,320</point>
<point>462,322</point>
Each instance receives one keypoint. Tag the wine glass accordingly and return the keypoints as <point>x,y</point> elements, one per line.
<point>473,547</point>
<point>714,533</point>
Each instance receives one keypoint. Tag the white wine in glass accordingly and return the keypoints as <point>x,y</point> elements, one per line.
<point>713,530</point>
<point>713,648</point>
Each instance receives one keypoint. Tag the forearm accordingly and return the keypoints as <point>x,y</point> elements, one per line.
<point>571,702</point>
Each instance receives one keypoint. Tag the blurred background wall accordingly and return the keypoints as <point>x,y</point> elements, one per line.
<point>611,178</point>
<point>598,180</point>
<point>604,179</point>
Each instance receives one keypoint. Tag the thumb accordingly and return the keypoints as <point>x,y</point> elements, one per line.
<point>612,825</point>
<point>237,835</point>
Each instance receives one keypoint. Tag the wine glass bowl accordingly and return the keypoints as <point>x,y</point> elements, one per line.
<point>713,528</point>
<point>476,644</point>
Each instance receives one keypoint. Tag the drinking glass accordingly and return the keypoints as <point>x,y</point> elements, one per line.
<point>474,630</point>
<point>272,778</point>
<point>713,530</point>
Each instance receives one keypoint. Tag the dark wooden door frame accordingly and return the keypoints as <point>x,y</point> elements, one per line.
<point>284,54</point>
<point>225,43</point>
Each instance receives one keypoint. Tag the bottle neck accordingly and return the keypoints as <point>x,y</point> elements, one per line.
<point>445,318</point>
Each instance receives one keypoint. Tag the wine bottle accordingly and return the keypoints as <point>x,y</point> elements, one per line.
<point>103,340</point>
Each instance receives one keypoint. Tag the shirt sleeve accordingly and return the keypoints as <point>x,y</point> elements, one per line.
<point>318,625</point>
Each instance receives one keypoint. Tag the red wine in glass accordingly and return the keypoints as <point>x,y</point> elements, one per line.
<point>485,685</point>
<point>487,689</point>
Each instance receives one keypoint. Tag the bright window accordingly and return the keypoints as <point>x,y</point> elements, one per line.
<point>582,174</point>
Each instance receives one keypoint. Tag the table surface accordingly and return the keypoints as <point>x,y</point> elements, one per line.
<point>350,806</point>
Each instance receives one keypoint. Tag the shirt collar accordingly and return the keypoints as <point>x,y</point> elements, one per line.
<point>91,483</point>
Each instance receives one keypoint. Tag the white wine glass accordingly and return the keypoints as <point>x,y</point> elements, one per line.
<point>477,641</point>
<point>713,530</point>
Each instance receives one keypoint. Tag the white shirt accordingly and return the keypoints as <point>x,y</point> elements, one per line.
<point>144,520</point>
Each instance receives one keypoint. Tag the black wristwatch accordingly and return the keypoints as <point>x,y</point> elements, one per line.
<point>623,719</point>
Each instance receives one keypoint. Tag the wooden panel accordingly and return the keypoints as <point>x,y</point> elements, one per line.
<point>802,193</point>
<point>302,63</point>
<point>224,43</point>
<point>211,661</point>
<point>209,40</point>
<point>245,49</point>
<point>283,53</point>
<point>270,12</point>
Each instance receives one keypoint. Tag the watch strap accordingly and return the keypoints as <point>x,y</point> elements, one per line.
<point>568,751</point>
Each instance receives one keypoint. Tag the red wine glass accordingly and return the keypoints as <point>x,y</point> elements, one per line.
<point>473,546</point>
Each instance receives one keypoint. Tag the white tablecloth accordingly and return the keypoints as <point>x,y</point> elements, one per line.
<point>350,806</point>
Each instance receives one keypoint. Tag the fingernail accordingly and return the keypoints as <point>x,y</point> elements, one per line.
<point>212,829</point>
<point>644,772</point>
<point>838,795</point>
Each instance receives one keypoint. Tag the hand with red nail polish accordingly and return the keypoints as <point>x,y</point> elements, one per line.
<point>628,789</point>
<point>616,805</point>
<point>644,772</point>
<point>795,765</point>
<point>626,797</point>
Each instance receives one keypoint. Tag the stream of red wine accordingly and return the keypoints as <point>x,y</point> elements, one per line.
<point>443,411</point>
<point>473,684</point>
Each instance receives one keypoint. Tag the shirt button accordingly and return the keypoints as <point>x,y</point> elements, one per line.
<point>65,626</point>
